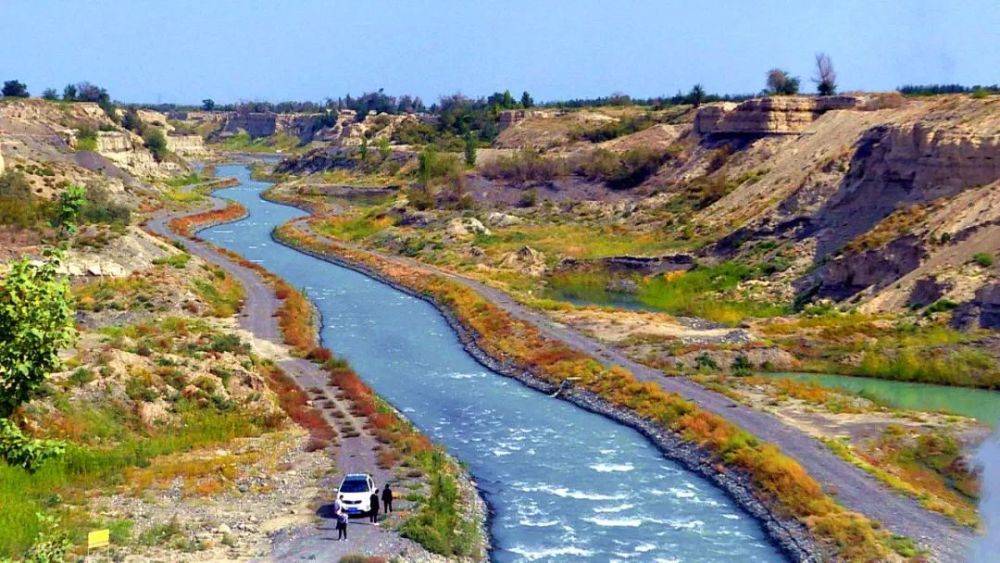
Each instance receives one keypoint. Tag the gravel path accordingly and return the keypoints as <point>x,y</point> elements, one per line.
<point>354,454</point>
<point>855,489</point>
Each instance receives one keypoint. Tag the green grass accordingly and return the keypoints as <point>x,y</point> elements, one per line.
<point>438,524</point>
<point>178,261</point>
<point>579,241</point>
<point>242,142</point>
<point>707,292</point>
<point>222,292</point>
<point>187,180</point>
<point>964,366</point>
<point>354,228</point>
<point>886,347</point>
<point>99,465</point>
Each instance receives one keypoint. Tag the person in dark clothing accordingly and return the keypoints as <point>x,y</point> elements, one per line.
<point>341,526</point>
<point>387,499</point>
<point>374,507</point>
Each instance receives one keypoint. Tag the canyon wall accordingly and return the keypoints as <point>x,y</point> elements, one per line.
<point>768,116</point>
<point>895,166</point>
<point>920,172</point>
<point>186,145</point>
<point>256,124</point>
<point>128,151</point>
<point>264,124</point>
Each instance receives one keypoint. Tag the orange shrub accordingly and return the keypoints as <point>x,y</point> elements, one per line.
<point>295,403</point>
<point>186,226</point>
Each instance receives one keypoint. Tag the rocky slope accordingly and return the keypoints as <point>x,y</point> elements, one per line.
<point>869,201</point>
<point>42,138</point>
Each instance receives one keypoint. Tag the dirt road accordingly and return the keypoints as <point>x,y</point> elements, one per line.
<point>354,454</point>
<point>855,489</point>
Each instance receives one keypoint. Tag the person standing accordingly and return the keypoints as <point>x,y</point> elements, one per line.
<point>342,525</point>
<point>373,501</point>
<point>387,499</point>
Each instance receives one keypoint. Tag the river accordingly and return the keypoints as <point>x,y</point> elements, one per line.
<point>565,484</point>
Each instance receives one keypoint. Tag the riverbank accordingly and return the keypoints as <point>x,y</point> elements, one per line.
<point>681,423</point>
<point>792,538</point>
<point>379,424</point>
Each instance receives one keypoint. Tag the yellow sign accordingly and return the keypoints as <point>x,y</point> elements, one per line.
<point>98,538</point>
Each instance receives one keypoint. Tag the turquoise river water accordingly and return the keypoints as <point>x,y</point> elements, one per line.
<point>565,484</point>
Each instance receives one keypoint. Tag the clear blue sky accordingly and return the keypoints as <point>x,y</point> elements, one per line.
<point>184,51</point>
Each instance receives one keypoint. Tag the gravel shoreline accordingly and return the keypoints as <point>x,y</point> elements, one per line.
<point>788,534</point>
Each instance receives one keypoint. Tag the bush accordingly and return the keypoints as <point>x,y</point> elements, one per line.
<point>470,150</point>
<point>941,305</point>
<point>178,261</point>
<point>529,198</point>
<point>18,205</point>
<point>524,166</point>
<point>436,166</point>
<point>983,259</point>
<point>620,128</point>
<point>156,142</point>
<point>621,170</point>
<point>229,343</point>
<point>86,139</point>
<point>414,133</point>
<point>420,198</point>
<point>98,209</point>
<point>19,450</point>
<point>741,365</point>
<point>133,122</point>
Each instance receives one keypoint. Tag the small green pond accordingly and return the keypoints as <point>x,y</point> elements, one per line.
<point>981,404</point>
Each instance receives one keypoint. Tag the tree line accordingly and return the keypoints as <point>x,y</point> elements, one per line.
<point>464,113</point>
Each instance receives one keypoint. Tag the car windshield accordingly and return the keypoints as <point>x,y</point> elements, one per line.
<point>354,486</point>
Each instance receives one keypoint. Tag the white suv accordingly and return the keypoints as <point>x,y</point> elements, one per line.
<point>355,493</point>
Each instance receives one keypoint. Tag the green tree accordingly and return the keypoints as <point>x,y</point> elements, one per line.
<point>826,77</point>
<point>382,144</point>
<point>36,321</point>
<point>508,100</point>
<point>87,92</point>
<point>71,202</point>
<point>156,142</point>
<point>696,96</point>
<point>208,104</point>
<point>781,83</point>
<point>69,93</point>
<point>14,89</point>
<point>526,100</point>
<point>132,121</point>
<point>50,94</point>
<point>470,150</point>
